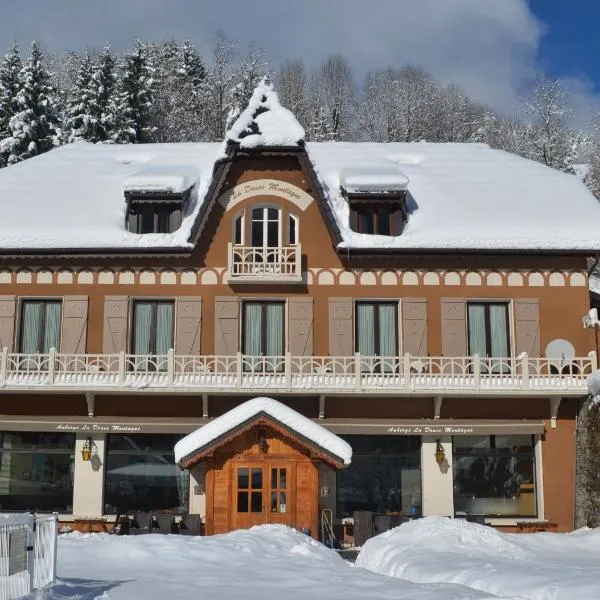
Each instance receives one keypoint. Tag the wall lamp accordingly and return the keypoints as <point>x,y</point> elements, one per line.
<point>88,449</point>
<point>440,455</point>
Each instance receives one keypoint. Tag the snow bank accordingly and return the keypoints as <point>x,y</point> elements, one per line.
<point>269,562</point>
<point>173,179</point>
<point>280,412</point>
<point>543,566</point>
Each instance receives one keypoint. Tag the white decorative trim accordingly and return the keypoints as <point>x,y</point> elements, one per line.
<point>515,280</point>
<point>557,280</point>
<point>410,278</point>
<point>452,278</point>
<point>209,278</point>
<point>5,277</point>
<point>106,278</point>
<point>265,187</point>
<point>326,278</point>
<point>368,278</point>
<point>347,278</point>
<point>472,278</point>
<point>536,280</point>
<point>389,278</point>
<point>127,278</point>
<point>64,277</point>
<point>85,278</point>
<point>44,277</point>
<point>431,278</point>
<point>147,278</point>
<point>578,280</point>
<point>189,278</point>
<point>494,279</point>
<point>24,277</point>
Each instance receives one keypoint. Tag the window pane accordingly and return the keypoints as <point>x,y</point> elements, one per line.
<point>387,329</point>
<point>365,334</point>
<point>237,231</point>
<point>273,234</point>
<point>31,322</point>
<point>499,329</point>
<point>51,327</point>
<point>256,502</point>
<point>273,214</point>
<point>147,220</point>
<point>243,479</point>
<point>282,478</point>
<point>282,502</point>
<point>273,501</point>
<point>142,324</point>
<point>164,327</point>
<point>257,233</point>
<point>274,478</point>
<point>292,230</point>
<point>252,328</point>
<point>242,502</point>
<point>383,220</point>
<point>476,323</point>
<point>274,339</point>
<point>256,475</point>
<point>366,220</point>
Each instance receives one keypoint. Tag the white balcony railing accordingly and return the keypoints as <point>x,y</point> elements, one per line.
<point>523,375</point>
<point>280,263</point>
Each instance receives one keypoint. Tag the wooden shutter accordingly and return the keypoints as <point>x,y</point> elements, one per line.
<point>300,330</point>
<point>527,326</point>
<point>188,315</point>
<point>115,324</point>
<point>8,305</point>
<point>414,326</point>
<point>340,327</point>
<point>227,328</point>
<point>73,335</point>
<point>454,327</point>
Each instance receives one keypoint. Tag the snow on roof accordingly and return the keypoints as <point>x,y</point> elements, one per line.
<point>374,179</point>
<point>265,122</point>
<point>72,197</point>
<point>174,179</point>
<point>308,429</point>
<point>466,196</point>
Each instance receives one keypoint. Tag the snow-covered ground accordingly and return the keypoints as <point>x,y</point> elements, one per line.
<point>429,559</point>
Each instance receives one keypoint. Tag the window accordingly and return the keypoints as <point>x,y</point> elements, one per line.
<point>141,474</point>
<point>488,329</point>
<point>238,230</point>
<point>263,334</point>
<point>36,471</point>
<point>264,227</point>
<point>377,334</point>
<point>249,490</point>
<point>40,326</point>
<point>378,218</point>
<point>384,476</point>
<point>152,330</point>
<point>292,230</point>
<point>154,218</point>
<point>494,476</point>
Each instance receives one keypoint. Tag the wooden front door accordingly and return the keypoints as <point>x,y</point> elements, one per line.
<point>263,493</point>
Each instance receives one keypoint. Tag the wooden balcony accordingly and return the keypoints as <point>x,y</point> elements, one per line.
<point>280,264</point>
<point>347,375</point>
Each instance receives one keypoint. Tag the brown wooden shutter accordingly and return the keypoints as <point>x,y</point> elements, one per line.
<point>188,315</point>
<point>300,331</point>
<point>527,326</point>
<point>340,327</point>
<point>115,324</point>
<point>73,335</point>
<point>8,306</point>
<point>227,319</point>
<point>454,327</point>
<point>414,326</point>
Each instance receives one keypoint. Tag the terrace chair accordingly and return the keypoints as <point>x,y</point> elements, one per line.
<point>381,523</point>
<point>165,523</point>
<point>190,525</point>
<point>142,522</point>
<point>123,524</point>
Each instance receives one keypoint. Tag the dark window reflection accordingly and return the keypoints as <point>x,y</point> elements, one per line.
<point>384,476</point>
<point>36,471</point>
<point>494,475</point>
<point>141,474</point>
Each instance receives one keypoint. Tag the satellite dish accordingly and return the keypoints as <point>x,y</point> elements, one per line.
<point>560,353</point>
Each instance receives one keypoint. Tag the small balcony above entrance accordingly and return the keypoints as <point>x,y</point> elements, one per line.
<point>265,264</point>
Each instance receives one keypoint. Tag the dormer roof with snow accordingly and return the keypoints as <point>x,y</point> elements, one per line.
<point>265,122</point>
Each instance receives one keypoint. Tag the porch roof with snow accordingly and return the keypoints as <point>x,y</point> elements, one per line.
<point>459,197</point>
<point>262,411</point>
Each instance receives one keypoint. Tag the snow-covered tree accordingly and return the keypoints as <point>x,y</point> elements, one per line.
<point>104,102</point>
<point>592,177</point>
<point>9,89</point>
<point>137,90</point>
<point>291,86</point>
<point>35,128</point>
<point>81,119</point>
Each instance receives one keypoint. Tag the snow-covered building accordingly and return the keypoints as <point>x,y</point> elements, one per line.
<point>421,301</point>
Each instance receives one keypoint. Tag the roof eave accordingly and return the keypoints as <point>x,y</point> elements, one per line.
<point>355,251</point>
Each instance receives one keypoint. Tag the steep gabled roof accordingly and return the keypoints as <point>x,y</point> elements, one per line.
<point>221,429</point>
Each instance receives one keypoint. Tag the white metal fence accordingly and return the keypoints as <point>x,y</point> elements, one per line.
<point>27,553</point>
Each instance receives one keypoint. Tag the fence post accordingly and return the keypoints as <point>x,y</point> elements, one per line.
<point>122,367</point>
<point>4,364</point>
<point>593,360</point>
<point>407,370</point>
<point>170,365</point>
<point>357,371</point>
<point>477,370</point>
<point>288,371</point>
<point>238,368</point>
<point>525,370</point>
<point>51,365</point>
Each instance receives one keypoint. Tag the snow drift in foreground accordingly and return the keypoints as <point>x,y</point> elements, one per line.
<point>269,562</point>
<point>541,566</point>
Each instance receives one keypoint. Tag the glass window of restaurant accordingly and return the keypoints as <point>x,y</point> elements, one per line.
<point>384,476</point>
<point>36,471</point>
<point>494,476</point>
<point>141,474</point>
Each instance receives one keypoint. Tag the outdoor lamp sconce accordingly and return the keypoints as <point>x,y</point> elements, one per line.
<point>262,443</point>
<point>87,450</point>
<point>440,455</point>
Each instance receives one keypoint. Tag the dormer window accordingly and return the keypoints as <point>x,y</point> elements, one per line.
<point>376,217</point>
<point>147,217</point>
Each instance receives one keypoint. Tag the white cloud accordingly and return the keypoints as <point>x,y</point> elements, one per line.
<point>490,47</point>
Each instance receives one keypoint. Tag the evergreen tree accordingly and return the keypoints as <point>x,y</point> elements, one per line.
<point>35,128</point>
<point>81,118</point>
<point>191,66</point>
<point>137,95</point>
<point>104,89</point>
<point>9,89</point>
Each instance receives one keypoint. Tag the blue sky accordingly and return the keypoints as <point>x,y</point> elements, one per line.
<point>492,48</point>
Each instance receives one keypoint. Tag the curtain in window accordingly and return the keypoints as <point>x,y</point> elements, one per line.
<point>252,328</point>
<point>365,319</point>
<point>477,341</point>
<point>387,333</point>
<point>142,325</point>
<point>30,327</point>
<point>164,327</point>
<point>274,345</point>
<point>498,330</point>
<point>52,326</point>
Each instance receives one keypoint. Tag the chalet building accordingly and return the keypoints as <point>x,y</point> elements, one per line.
<point>422,302</point>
